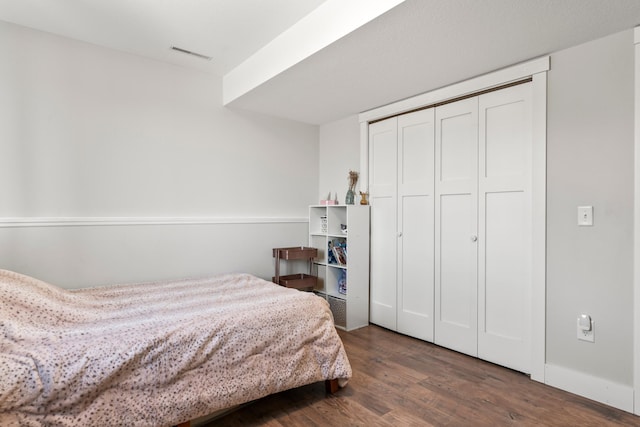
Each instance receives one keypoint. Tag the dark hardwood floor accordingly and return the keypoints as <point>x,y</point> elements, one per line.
<point>401,381</point>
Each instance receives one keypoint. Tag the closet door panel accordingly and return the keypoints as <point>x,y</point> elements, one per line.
<point>457,271</point>
<point>415,284</point>
<point>504,285</point>
<point>458,139</point>
<point>456,226</point>
<point>503,265</point>
<point>383,167</point>
<point>415,224</point>
<point>415,146</point>
<point>383,266</point>
<point>504,143</point>
<point>383,174</point>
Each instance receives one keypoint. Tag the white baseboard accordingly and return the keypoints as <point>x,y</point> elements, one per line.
<point>604,391</point>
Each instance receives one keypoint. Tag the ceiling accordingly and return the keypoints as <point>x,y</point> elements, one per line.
<point>415,47</point>
<point>228,31</point>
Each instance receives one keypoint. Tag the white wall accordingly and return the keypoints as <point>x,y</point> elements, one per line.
<point>81,256</point>
<point>91,132</point>
<point>590,162</point>
<point>339,154</point>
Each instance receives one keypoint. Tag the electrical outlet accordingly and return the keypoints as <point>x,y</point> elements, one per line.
<point>586,335</point>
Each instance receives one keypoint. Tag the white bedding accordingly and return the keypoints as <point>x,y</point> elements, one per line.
<point>156,354</point>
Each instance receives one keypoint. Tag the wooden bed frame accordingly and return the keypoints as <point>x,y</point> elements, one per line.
<point>330,386</point>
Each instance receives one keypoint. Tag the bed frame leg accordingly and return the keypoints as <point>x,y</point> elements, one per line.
<point>331,386</point>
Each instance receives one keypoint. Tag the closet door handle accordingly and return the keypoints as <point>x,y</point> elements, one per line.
<point>400,234</point>
<point>474,238</point>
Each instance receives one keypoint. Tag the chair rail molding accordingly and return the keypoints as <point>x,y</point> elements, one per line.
<point>13,222</point>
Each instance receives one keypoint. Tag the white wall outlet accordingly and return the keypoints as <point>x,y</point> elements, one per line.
<point>586,328</point>
<point>585,215</point>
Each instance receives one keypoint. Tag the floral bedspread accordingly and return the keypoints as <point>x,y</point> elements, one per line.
<point>156,354</point>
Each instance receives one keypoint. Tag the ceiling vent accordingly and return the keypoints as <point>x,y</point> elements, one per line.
<point>188,52</point>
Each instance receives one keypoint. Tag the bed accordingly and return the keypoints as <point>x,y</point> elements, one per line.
<point>157,354</point>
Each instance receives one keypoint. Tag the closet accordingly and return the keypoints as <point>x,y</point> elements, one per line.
<point>450,189</point>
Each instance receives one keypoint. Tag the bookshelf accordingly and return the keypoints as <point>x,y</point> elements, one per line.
<point>341,235</point>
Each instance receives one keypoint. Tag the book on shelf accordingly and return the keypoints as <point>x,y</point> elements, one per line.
<point>337,253</point>
<point>342,282</point>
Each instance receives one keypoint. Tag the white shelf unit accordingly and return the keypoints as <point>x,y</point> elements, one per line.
<point>326,223</point>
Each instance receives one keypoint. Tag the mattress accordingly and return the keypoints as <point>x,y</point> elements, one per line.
<point>159,353</point>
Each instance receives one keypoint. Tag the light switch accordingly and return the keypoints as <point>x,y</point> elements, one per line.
<point>585,215</point>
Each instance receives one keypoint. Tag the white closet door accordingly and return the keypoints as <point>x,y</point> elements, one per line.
<point>456,255</point>
<point>504,253</point>
<point>416,135</point>
<point>383,172</point>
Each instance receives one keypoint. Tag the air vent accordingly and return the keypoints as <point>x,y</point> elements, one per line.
<point>188,52</point>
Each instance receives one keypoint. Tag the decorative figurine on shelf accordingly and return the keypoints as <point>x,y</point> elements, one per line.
<point>363,200</point>
<point>353,180</point>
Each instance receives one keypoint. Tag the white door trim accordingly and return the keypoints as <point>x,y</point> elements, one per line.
<point>476,84</point>
<point>537,69</point>
<point>539,227</point>
<point>636,228</point>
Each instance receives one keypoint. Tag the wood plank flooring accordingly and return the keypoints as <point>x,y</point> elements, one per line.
<point>401,381</point>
